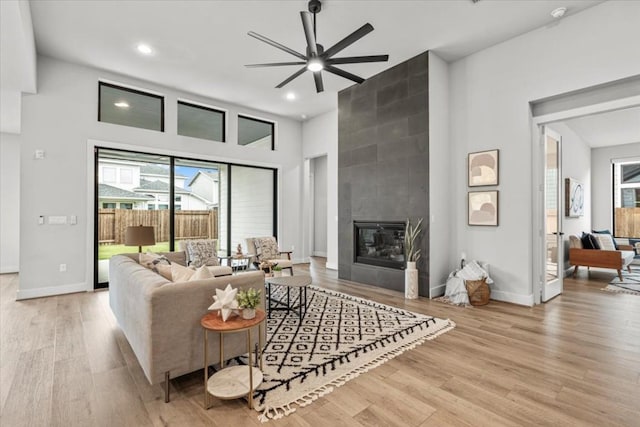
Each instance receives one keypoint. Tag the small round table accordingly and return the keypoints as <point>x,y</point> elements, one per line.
<point>236,381</point>
<point>300,282</point>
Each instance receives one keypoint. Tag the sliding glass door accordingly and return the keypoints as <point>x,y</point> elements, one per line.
<point>181,199</point>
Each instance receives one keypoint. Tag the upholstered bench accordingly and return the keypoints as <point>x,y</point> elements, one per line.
<point>602,258</point>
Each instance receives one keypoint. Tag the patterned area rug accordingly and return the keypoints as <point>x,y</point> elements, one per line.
<point>339,338</point>
<point>630,283</point>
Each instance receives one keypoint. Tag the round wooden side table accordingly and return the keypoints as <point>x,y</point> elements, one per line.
<point>235,381</point>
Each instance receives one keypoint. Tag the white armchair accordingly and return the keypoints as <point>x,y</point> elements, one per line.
<point>266,249</point>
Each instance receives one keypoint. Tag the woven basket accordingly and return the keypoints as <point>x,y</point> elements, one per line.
<point>478,291</point>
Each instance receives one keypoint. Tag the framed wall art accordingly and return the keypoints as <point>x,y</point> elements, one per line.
<point>573,198</point>
<point>483,208</point>
<point>483,168</point>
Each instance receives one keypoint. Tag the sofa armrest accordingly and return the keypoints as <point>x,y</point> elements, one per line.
<point>286,252</point>
<point>595,258</point>
<point>625,247</point>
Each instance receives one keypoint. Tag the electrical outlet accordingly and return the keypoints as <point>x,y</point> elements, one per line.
<point>63,268</point>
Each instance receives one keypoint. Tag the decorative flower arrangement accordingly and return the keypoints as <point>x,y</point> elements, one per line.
<point>248,301</point>
<point>410,235</point>
<point>249,298</point>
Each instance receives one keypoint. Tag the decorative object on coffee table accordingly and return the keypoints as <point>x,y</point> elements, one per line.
<point>412,255</point>
<point>248,301</point>
<point>225,301</point>
<point>277,271</point>
<point>235,381</point>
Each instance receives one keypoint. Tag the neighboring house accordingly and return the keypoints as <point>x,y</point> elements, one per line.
<point>110,197</point>
<point>136,185</point>
<point>206,185</point>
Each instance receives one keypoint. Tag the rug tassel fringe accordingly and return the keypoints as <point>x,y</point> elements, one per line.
<point>274,413</point>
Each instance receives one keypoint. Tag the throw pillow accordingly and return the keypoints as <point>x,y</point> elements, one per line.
<point>151,260</point>
<point>609,233</point>
<point>266,248</point>
<point>165,271</point>
<point>202,273</point>
<point>589,241</point>
<point>181,273</point>
<point>606,242</point>
<point>201,252</point>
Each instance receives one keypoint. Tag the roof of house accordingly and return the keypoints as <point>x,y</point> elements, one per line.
<point>211,175</point>
<point>151,169</point>
<point>158,187</point>
<point>106,191</point>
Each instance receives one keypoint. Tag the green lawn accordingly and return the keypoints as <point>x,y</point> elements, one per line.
<point>107,251</point>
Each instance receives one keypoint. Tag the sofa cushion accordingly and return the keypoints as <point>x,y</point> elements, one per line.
<point>179,257</point>
<point>575,242</point>
<point>180,273</point>
<point>202,252</point>
<point>151,260</point>
<point>605,241</point>
<point>164,271</point>
<point>589,241</point>
<point>615,244</point>
<point>202,273</point>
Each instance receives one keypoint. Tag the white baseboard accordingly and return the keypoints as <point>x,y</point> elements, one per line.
<point>320,254</point>
<point>5,269</point>
<point>50,291</point>
<point>519,299</point>
<point>300,261</point>
<point>331,266</point>
<point>438,291</point>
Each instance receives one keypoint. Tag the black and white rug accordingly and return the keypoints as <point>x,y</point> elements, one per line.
<point>339,338</point>
<point>630,283</point>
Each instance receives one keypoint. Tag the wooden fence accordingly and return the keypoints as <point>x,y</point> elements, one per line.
<point>188,224</point>
<point>627,222</point>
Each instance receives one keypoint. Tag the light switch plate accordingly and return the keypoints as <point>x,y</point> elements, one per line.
<point>57,220</point>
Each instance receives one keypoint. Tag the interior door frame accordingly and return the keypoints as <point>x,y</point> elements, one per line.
<point>538,212</point>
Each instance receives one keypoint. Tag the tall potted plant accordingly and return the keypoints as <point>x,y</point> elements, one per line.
<point>412,255</point>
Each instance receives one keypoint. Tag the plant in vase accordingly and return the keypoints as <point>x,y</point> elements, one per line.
<point>412,255</point>
<point>248,301</point>
<point>277,271</point>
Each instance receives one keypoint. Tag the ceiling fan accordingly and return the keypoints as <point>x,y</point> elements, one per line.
<point>317,58</point>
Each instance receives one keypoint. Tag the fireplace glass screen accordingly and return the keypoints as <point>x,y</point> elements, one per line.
<point>379,243</point>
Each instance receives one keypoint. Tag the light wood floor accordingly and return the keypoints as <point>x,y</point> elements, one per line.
<point>573,361</point>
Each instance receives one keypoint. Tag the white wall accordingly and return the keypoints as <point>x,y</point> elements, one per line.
<point>490,95</point>
<point>440,177</point>
<point>576,164</point>
<point>61,119</point>
<point>601,196</point>
<point>9,202</point>
<point>320,137</point>
<point>320,206</point>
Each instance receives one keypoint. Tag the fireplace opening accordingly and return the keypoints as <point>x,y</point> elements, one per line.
<point>379,243</point>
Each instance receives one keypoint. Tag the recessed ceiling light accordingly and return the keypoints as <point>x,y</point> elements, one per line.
<point>304,116</point>
<point>144,49</point>
<point>121,104</point>
<point>559,12</point>
<point>291,96</point>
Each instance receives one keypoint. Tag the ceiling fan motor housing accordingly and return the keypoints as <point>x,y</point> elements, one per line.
<point>315,6</point>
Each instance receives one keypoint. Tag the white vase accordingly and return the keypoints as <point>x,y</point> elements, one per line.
<point>248,313</point>
<point>277,273</point>
<point>411,281</point>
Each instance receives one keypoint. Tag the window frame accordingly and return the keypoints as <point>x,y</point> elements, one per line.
<point>205,107</point>
<point>260,120</point>
<point>137,92</point>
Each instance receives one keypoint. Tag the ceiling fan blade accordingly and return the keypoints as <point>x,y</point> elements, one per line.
<point>350,39</point>
<point>277,45</point>
<point>307,24</point>
<point>318,79</point>
<point>291,77</point>
<point>342,73</point>
<point>358,59</point>
<point>275,64</point>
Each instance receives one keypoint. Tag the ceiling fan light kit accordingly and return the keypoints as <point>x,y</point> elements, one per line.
<point>317,59</point>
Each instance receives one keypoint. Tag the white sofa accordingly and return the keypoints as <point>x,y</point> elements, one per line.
<point>161,319</point>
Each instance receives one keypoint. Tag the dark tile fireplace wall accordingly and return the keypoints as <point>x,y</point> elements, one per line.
<point>383,164</point>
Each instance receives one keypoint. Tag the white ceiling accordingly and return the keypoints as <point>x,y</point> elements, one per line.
<point>202,46</point>
<point>608,129</point>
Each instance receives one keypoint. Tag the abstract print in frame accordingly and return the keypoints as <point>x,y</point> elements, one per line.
<point>574,198</point>
<point>483,208</point>
<point>483,168</point>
